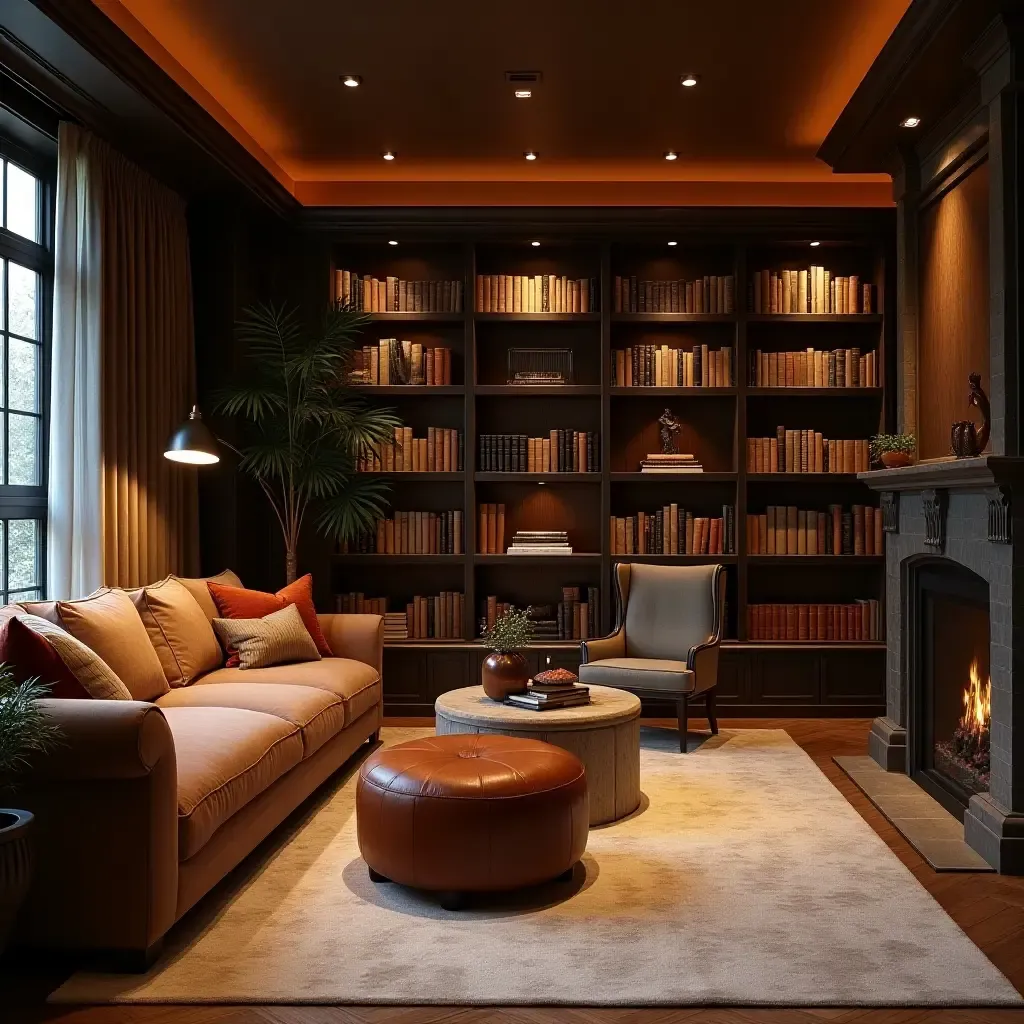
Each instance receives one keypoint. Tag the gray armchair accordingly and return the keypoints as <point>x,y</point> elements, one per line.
<point>670,620</point>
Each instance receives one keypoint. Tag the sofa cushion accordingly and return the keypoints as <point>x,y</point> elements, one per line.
<point>179,630</point>
<point>108,623</point>
<point>357,684</point>
<point>29,655</point>
<point>197,587</point>
<point>225,757</point>
<point>318,714</point>
<point>639,673</point>
<point>276,639</point>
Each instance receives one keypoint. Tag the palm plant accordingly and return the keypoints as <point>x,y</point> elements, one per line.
<point>24,728</point>
<point>309,427</point>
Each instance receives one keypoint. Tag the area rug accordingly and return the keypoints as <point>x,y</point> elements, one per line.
<point>744,878</point>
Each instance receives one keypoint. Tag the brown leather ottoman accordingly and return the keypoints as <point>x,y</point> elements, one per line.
<point>471,813</point>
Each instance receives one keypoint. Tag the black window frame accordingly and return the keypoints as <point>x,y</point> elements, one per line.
<point>21,501</point>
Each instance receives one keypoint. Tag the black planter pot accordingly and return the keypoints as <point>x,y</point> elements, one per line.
<point>15,867</point>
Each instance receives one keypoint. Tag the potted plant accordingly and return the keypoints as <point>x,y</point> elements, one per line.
<point>505,670</point>
<point>24,732</point>
<point>893,450</point>
<point>311,425</point>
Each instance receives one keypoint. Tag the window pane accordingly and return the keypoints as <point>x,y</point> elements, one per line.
<point>23,451</point>
<point>23,553</point>
<point>22,203</point>
<point>23,376</point>
<point>25,595</point>
<point>21,314</point>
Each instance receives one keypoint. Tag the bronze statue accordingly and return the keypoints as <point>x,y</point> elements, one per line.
<point>670,428</point>
<point>966,440</point>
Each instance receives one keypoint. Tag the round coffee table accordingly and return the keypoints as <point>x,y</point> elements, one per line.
<point>604,735</point>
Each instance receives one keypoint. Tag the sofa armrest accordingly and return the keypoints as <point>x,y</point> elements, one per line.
<point>360,637</point>
<point>106,835</point>
<point>611,646</point>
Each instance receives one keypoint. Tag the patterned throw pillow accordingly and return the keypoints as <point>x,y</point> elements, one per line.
<point>272,640</point>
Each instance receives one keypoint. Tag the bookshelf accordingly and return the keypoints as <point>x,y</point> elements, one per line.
<point>757,677</point>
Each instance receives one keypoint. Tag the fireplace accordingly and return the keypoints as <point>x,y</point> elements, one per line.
<point>949,698</point>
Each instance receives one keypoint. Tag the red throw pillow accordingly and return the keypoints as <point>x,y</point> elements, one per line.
<point>238,603</point>
<point>30,655</point>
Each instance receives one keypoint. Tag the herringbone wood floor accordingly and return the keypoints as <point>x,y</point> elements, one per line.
<point>988,907</point>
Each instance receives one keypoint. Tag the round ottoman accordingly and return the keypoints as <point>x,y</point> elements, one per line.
<point>471,813</point>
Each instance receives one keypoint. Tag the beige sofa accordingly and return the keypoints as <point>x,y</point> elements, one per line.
<point>147,805</point>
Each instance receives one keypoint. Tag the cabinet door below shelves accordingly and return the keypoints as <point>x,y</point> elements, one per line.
<point>449,670</point>
<point>733,675</point>
<point>853,677</point>
<point>405,678</point>
<point>785,677</point>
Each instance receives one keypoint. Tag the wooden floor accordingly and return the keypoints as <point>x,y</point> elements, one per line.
<point>988,907</point>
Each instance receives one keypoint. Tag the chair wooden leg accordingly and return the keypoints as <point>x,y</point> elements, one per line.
<point>712,708</point>
<point>682,724</point>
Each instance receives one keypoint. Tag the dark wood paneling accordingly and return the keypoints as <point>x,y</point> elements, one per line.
<point>853,677</point>
<point>785,677</point>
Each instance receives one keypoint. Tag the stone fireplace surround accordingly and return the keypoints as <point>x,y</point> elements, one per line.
<point>963,510</point>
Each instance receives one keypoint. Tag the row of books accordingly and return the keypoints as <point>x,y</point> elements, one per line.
<point>369,294</point>
<point>435,618</point>
<point>441,451</point>
<point>541,293</point>
<point>814,290</point>
<point>661,462</point>
<point>806,451</point>
<point>490,536</point>
<point>575,617</point>
<point>708,294</point>
<point>673,530</point>
<point>419,533</point>
<point>664,367</point>
<point>788,530</point>
<point>563,451</point>
<point>357,603</point>
<point>391,362</point>
<point>540,542</point>
<point>813,368</point>
<point>857,620</point>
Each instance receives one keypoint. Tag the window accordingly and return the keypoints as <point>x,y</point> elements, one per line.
<point>26,281</point>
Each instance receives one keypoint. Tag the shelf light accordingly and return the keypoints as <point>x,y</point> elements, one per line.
<point>535,244</point>
<point>910,122</point>
<point>393,241</point>
<point>671,154</point>
<point>673,243</point>
<point>814,245</point>
<point>389,155</point>
<point>531,154</point>
<point>352,81</point>
<point>688,81</point>
<point>523,94</point>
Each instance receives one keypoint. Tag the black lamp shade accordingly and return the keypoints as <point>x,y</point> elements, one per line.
<point>193,443</point>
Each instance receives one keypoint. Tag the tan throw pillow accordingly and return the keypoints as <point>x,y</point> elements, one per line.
<point>179,630</point>
<point>201,592</point>
<point>276,638</point>
<point>108,623</point>
<point>92,672</point>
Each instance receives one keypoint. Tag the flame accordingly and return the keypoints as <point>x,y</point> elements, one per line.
<point>977,703</point>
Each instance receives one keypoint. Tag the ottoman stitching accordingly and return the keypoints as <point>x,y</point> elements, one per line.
<point>447,796</point>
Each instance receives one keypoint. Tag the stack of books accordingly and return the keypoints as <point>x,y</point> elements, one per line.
<point>540,542</point>
<point>670,464</point>
<point>546,698</point>
<point>395,626</point>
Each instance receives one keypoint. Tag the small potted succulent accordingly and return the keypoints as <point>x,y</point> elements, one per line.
<point>24,732</point>
<point>893,450</point>
<point>505,670</point>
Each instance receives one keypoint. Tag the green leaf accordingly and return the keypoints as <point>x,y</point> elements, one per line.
<point>25,730</point>
<point>356,510</point>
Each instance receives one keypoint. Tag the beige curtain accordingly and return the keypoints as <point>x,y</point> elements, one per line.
<point>149,505</point>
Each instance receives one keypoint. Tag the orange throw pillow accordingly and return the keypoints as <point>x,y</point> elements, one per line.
<point>238,603</point>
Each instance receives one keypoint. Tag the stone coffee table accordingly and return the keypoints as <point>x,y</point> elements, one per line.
<point>604,735</point>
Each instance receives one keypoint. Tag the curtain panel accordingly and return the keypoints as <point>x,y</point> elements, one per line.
<point>122,321</point>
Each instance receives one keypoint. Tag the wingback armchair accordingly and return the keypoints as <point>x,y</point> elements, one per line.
<point>669,623</point>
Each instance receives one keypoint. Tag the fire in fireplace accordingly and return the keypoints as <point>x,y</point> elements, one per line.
<point>965,756</point>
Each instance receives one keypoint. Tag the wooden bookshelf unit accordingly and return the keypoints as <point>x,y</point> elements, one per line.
<point>819,677</point>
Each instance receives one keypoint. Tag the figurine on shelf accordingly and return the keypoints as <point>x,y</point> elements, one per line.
<point>670,428</point>
<point>966,440</point>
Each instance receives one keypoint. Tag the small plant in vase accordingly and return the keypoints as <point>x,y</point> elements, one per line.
<point>893,450</point>
<point>505,670</point>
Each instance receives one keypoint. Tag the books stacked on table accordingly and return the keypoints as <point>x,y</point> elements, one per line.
<point>670,464</point>
<point>546,698</point>
<point>396,626</point>
<point>540,542</point>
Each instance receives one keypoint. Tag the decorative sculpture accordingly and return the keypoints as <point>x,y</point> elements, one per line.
<point>966,440</point>
<point>670,428</point>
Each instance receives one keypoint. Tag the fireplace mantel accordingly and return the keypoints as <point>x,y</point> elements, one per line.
<point>952,474</point>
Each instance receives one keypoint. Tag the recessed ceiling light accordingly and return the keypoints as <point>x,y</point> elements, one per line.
<point>389,155</point>
<point>531,155</point>
<point>688,80</point>
<point>523,94</point>
<point>392,242</point>
<point>535,243</point>
<point>671,155</point>
<point>814,245</point>
<point>910,122</point>
<point>673,243</point>
<point>352,81</point>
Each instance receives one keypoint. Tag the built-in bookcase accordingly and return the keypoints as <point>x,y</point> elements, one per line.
<point>843,675</point>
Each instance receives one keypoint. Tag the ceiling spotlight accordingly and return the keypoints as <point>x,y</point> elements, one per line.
<point>910,122</point>
<point>814,245</point>
<point>392,242</point>
<point>671,155</point>
<point>688,80</point>
<point>389,155</point>
<point>673,243</point>
<point>535,243</point>
<point>531,155</point>
<point>352,81</point>
<point>523,94</point>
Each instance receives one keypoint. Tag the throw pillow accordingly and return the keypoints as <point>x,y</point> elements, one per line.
<point>89,670</point>
<point>179,630</point>
<point>236,603</point>
<point>197,587</point>
<point>30,656</point>
<point>271,640</point>
<point>108,623</point>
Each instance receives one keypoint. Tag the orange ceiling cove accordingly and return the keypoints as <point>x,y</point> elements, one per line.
<point>773,78</point>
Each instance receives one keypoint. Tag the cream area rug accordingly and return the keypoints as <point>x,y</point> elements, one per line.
<point>744,878</point>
